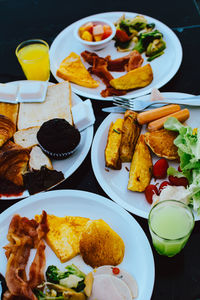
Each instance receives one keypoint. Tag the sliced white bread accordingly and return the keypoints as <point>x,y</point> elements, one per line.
<point>57,104</point>
<point>39,159</point>
<point>27,138</point>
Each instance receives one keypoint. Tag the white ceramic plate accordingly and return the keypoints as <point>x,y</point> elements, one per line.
<point>115,182</point>
<point>138,259</point>
<point>164,67</point>
<point>69,165</point>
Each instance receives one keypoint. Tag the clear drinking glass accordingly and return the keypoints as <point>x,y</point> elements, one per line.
<point>170,223</point>
<point>33,56</point>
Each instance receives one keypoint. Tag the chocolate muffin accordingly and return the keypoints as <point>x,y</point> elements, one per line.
<point>57,138</point>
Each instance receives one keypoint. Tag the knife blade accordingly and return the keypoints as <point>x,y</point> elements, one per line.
<point>114,109</point>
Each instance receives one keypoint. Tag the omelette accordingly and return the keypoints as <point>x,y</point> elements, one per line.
<point>72,69</point>
<point>64,235</point>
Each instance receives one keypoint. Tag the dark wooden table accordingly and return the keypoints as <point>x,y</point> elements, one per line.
<point>176,278</point>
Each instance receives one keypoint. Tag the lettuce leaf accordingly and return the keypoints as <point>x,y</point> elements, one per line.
<point>188,143</point>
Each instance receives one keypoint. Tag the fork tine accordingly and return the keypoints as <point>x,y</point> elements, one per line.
<point>121,105</point>
<point>125,100</point>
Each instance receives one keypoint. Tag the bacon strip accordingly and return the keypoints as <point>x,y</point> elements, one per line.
<point>126,63</point>
<point>23,235</point>
<point>101,67</point>
<point>36,273</point>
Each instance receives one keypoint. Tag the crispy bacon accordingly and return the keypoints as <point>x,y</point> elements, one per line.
<point>135,61</point>
<point>110,91</point>
<point>23,235</point>
<point>36,273</point>
<point>88,56</point>
<point>126,63</point>
<point>99,68</point>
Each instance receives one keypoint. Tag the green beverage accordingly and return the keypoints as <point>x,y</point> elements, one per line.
<point>170,223</point>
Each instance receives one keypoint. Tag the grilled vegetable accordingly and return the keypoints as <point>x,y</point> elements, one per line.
<point>145,39</point>
<point>141,167</point>
<point>155,48</point>
<point>130,133</point>
<point>112,157</point>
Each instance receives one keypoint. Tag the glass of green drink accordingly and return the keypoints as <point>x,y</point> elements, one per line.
<point>170,223</point>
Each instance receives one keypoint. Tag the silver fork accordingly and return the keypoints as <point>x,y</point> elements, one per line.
<point>138,105</point>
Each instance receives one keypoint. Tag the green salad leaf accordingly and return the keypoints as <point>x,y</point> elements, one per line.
<point>188,143</point>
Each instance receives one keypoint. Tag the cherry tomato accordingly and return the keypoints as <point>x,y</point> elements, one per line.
<point>150,190</point>
<point>160,168</point>
<point>115,270</point>
<point>122,36</point>
<point>182,181</point>
<point>163,185</point>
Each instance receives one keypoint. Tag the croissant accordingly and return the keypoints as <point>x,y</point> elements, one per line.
<point>13,162</point>
<point>7,129</point>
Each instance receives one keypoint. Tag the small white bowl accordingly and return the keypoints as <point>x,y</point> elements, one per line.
<point>95,45</point>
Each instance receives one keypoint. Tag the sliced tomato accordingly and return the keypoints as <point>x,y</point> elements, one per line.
<point>122,36</point>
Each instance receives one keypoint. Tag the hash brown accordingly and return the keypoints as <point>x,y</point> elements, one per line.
<point>161,143</point>
<point>101,245</point>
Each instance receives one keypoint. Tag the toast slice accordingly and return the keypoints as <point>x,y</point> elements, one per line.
<point>64,235</point>
<point>56,105</point>
<point>27,138</point>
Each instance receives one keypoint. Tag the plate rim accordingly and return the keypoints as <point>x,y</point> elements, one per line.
<point>138,93</point>
<point>101,200</point>
<point>89,136</point>
<point>103,184</point>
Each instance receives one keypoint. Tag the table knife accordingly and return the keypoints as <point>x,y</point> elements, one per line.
<point>114,109</point>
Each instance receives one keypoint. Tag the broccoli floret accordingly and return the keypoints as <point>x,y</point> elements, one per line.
<point>72,269</point>
<point>145,39</point>
<point>54,275</point>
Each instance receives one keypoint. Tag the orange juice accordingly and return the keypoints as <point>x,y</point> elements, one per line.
<point>34,60</point>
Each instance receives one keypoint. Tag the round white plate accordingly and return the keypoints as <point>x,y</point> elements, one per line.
<point>69,165</point>
<point>114,182</point>
<point>138,259</point>
<point>164,67</point>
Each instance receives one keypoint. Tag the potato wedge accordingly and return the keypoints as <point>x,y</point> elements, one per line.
<point>112,157</point>
<point>130,133</point>
<point>141,167</point>
<point>136,78</point>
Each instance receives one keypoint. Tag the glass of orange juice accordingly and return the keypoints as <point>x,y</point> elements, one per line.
<point>33,56</point>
